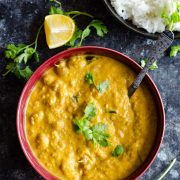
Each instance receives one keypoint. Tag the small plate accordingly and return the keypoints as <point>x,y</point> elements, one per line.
<point>129,24</point>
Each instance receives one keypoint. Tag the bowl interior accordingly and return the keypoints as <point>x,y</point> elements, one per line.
<point>131,26</point>
<point>66,54</point>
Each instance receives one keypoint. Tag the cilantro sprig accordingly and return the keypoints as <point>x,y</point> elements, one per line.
<point>96,133</point>
<point>118,151</point>
<point>80,34</point>
<point>19,55</point>
<point>101,87</point>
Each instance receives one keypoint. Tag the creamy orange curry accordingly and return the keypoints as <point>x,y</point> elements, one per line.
<point>81,124</point>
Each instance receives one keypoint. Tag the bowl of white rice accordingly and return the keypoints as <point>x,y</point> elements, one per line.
<point>144,16</point>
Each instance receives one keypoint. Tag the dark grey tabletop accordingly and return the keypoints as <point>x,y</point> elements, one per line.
<point>19,21</point>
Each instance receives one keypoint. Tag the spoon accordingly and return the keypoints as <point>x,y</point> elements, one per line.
<point>162,44</point>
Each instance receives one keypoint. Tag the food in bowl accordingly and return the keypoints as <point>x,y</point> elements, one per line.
<point>81,124</point>
<point>151,15</point>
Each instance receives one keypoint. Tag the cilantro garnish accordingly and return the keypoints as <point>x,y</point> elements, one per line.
<point>103,86</point>
<point>96,133</point>
<point>19,55</point>
<point>174,50</point>
<point>89,78</point>
<point>118,151</point>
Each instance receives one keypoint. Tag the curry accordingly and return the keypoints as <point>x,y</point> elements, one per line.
<point>81,124</point>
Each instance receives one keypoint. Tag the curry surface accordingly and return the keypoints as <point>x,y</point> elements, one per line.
<point>52,108</point>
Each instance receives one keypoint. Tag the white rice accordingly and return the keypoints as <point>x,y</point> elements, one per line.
<point>145,13</point>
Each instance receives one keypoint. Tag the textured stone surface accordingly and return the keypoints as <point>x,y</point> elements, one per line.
<point>19,21</point>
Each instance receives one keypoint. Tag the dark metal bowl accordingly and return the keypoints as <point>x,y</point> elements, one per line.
<point>129,24</point>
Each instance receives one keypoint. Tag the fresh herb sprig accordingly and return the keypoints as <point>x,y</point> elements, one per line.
<point>19,55</point>
<point>101,87</point>
<point>96,133</point>
<point>174,50</point>
<point>80,34</point>
<point>118,151</point>
<point>152,67</point>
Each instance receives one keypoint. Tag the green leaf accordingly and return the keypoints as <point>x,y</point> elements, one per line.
<point>77,35</point>
<point>9,68</point>
<point>101,29</point>
<point>55,10</point>
<point>99,26</point>
<point>12,50</point>
<point>36,56</point>
<point>24,73</point>
<point>25,56</point>
<point>89,78</point>
<point>99,134</point>
<point>90,111</point>
<point>118,151</point>
<point>152,67</point>
<point>174,50</point>
<point>15,68</point>
<point>103,86</point>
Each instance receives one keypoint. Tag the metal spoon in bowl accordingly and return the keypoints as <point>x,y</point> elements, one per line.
<point>162,44</point>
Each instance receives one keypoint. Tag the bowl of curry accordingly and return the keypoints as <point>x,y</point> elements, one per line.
<point>75,120</point>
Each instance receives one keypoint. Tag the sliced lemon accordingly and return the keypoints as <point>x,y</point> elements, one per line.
<point>59,29</point>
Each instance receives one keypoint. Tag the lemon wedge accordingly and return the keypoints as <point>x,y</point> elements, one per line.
<point>59,29</point>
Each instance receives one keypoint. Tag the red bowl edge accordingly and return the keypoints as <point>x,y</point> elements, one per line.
<point>37,74</point>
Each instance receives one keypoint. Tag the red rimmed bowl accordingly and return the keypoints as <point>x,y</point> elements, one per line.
<point>89,50</point>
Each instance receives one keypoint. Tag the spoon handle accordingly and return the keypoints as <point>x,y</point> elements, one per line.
<point>162,44</point>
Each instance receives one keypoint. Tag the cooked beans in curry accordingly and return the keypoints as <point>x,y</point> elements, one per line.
<point>81,124</point>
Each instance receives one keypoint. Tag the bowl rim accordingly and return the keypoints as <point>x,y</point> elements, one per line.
<point>131,26</point>
<point>20,118</point>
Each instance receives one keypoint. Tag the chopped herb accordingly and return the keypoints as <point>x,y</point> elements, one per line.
<point>174,50</point>
<point>90,111</point>
<point>167,170</point>
<point>118,151</point>
<point>96,133</point>
<point>99,135</point>
<point>152,67</point>
<point>112,112</point>
<point>99,26</point>
<point>103,86</point>
<point>89,78</point>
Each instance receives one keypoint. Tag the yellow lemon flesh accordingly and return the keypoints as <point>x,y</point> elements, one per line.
<point>59,29</point>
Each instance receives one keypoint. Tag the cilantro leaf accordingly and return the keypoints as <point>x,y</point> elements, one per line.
<point>174,50</point>
<point>99,134</point>
<point>96,133</point>
<point>12,50</point>
<point>152,67</point>
<point>77,13</point>
<point>103,86</point>
<point>25,56</point>
<point>99,26</point>
<point>55,10</point>
<point>20,73</point>
<point>90,111</point>
<point>77,35</point>
<point>89,78</point>
<point>118,151</point>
